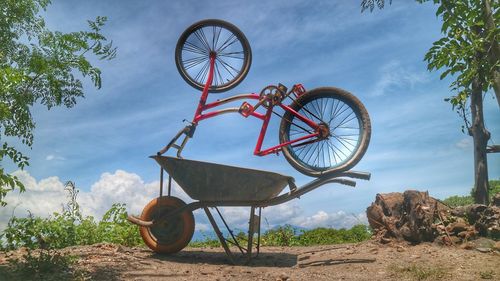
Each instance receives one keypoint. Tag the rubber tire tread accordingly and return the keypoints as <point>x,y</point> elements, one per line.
<point>186,216</point>
<point>229,26</point>
<point>336,93</point>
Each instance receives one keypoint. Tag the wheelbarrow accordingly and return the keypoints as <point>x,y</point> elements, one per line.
<point>167,223</point>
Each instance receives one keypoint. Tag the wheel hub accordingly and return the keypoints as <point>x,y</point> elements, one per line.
<point>324,131</point>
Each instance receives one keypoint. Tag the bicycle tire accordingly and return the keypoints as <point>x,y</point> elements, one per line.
<point>326,99</point>
<point>233,56</point>
<point>167,237</point>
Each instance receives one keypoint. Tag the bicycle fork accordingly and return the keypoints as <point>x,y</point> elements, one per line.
<point>188,133</point>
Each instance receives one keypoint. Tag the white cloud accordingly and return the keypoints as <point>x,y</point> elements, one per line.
<point>464,143</point>
<point>51,157</point>
<point>338,219</point>
<point>48,195</point>
<point>394,76</point>
<point>44,197</point>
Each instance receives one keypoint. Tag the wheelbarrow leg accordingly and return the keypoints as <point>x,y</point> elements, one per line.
<point>253,227</point>
<point>219,235</point>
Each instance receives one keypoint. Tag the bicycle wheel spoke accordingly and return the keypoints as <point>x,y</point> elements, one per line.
<point>205,38</point>
<point>334,110</point>
<point>337,149</point>
<point>334,153</point>
<point>345,120</point>
<point>300,127</point>
<point>206,65</point>
<point>309,147</point>
<point>324,103</point>
<point>322,153</point>
<point>339,112</point>
<point>310,156</point>
<point>232,55</point>
<point>229,41</point>
<point>193,62</point>
<point>218,74</point>
<point>226,65</point>
<point>347,139</point>
<point>316,159</point>
<point>199,36</point>
<point>215,37</point>
<point>315,109</point>
<point>190,47</point>
<point>343,144</point>
<point>329,158</point>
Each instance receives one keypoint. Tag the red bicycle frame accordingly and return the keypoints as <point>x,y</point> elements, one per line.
<point>200,115</point>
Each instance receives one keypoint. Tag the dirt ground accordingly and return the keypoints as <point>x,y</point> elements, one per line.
<point>363,261</point>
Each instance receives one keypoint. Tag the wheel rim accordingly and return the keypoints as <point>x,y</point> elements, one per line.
<point>167,236</point>
<point>219,40</point>
<point>345,132</point>
<point>166,232</point>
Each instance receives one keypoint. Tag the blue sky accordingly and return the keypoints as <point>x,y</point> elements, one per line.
<point>103,143</point>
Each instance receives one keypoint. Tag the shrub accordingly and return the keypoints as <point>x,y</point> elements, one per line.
<point>70,228</point>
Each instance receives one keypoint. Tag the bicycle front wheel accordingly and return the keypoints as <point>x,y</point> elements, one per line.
<point>345,135</point>
<point>226,42</point>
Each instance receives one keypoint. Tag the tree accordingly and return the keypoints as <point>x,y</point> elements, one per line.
<point>39,66</point>
<point>470,53</point>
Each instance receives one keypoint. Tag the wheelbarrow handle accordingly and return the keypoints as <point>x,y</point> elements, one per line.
<point>135,220</point>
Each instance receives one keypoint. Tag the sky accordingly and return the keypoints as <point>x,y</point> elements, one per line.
<point>103,143</point>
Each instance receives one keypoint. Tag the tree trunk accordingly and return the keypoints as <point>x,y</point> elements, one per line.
<point>481,137</point>
<point>493,53</point>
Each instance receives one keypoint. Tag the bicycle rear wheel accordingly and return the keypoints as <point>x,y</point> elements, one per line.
<point>346,136</point>
<point>226,41</point>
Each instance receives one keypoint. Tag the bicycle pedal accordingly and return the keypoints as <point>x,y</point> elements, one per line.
<point>246,109</point>
<point>298,90</point>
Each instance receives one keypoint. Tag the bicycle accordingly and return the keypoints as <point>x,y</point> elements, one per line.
<point>323,131</point>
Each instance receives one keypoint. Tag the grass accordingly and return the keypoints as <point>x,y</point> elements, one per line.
<point>41,265</point>
<point>289,236</point>
<point>419,271</point>
<point>488,274</point>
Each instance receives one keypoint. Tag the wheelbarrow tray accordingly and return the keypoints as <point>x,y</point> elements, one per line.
<point>206,181</point>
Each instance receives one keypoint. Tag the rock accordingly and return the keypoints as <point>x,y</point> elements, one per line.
<point>467,246</point>
<point>496,200</point>
<point>484,243</point>
<point>457,227</point>
<point>497,246</point>
<point>455,240</point>
<point>409,216</point>
<point>484,250</point>
<point>282,277</point>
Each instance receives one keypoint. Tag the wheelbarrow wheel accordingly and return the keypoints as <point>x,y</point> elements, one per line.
<point>171,235</point>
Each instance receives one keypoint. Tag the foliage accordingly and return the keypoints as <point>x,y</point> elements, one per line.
<point>39,66</point>
<point>327,236</point>
<point>41,265</point>
<point>456,201</point>
<point>469,52</point>
<point>466,50</point>
<point>470,31</point>
<point>287,235</point>
<point>70,228</point>
<point>370,4</point>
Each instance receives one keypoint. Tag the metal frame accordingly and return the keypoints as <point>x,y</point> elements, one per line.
<point>254,221</point>
<point>200,115</point>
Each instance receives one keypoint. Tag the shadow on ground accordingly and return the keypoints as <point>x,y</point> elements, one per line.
<point>220,258</point>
